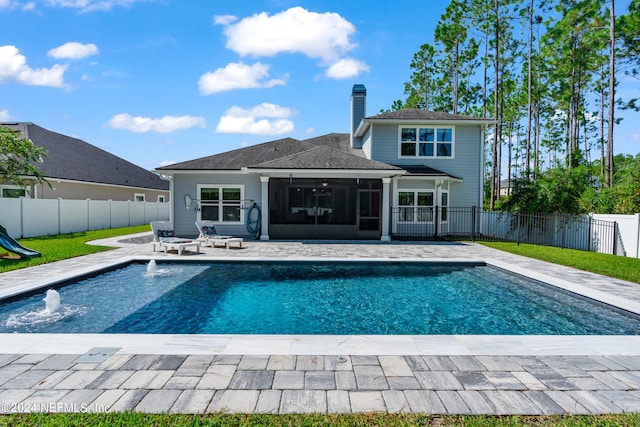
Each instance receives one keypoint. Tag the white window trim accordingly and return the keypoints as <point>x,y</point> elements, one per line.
<point>415,206</point>
<point>437,204</point>
<point>27,193</point>
<point>220,203</point>
<point>440,205</point>
<point>161,198</point>
<point>136,195</point>
<point>435,148</point>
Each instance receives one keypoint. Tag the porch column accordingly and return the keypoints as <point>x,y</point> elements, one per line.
<point>264,206</point>
<point>386,209</point>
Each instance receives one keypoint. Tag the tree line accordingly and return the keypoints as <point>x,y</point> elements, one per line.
<point>546,71</point>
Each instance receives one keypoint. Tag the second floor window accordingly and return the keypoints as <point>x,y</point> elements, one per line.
<point>426,141</point>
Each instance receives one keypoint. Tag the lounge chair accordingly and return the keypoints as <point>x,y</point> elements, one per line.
<point>164,238</point>
<point>209,236</point>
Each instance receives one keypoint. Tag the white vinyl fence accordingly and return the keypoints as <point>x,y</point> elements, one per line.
<point>628,233</point>
<point>25,217</point>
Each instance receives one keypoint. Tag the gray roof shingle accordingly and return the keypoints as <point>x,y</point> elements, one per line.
<point>74,159</point>
<point>331,151</point>
<point>418,114</point>
<point>422,170</point>
<point>243,157</point>
<point>324,158</point>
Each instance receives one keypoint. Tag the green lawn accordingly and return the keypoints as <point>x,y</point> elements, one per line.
<point>370,419</point>
<point>63,246</point>
<point>610,265</point>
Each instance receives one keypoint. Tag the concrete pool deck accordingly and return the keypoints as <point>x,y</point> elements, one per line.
<point>290,374</point>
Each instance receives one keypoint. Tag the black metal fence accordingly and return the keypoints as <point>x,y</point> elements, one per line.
<point>561,230</point>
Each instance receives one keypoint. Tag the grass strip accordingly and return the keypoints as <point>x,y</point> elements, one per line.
<point>615,266</point>
<point>362,419</point>
<point>64,246</point>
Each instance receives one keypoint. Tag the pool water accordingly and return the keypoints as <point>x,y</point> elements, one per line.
<point>316,298</point>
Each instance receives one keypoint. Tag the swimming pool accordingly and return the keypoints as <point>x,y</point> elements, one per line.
<point>320,298</point>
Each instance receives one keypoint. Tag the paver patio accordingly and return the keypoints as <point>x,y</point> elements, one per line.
<point>439,374</point>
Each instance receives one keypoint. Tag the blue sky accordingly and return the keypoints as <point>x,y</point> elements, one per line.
<point>161,81</point>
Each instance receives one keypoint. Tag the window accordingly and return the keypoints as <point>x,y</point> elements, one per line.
<point>444,203</point>
<point>160,199</point>
<point>138,197</point>
<point>13,193</point>
<point>426,142</point>
<point>221,203</point>
<point>415,206</point>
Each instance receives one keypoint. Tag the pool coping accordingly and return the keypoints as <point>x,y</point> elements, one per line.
<point>380,345</point>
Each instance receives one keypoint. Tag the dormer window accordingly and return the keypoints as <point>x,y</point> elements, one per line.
<point>433,141</point>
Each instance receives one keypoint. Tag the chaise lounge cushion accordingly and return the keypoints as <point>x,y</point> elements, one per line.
<point>166,233</point>
<point>209,230</point>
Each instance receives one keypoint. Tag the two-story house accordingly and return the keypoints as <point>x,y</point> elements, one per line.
<point>390,171</point>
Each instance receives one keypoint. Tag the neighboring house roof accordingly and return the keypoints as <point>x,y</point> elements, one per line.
<point>76,160</point>
<point>331,151</point>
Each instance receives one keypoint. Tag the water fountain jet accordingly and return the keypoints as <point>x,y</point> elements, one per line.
<point>52,301</point>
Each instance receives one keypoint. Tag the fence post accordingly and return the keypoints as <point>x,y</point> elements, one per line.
<point>563,238</point>
<point>435,224</point>
<point>22,217</point>
<point>589,234</point>
<point>615,237</point>
<point>473,224</point>
<point>518,219</point>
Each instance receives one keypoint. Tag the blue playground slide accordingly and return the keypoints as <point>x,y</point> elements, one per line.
<point>11,245</point>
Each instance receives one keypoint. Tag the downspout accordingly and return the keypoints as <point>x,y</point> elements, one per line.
<point>482,176</point>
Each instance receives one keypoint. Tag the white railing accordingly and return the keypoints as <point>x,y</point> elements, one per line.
<point>25,217</point>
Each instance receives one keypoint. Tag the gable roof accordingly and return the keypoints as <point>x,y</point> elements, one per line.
<point>331,151</point>
<point>416,115</point>
<point>243,157</point>
<point>320,157</point>
<point>76,160</point>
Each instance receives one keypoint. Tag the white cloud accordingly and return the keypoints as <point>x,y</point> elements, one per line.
<point>164,124</point>
<point>317,35</point>
<point>92,5</point>
<point>13,67</point>
<point>324,36</point>
<point>73,50</point>
<point>223,19</point>
<point>237,75</point>
<point>166,163</point>
<point>346,68</point>
<point>635,136</point>
<point>4,116</point>
<point>256,121</point>
<point>4,3</point>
